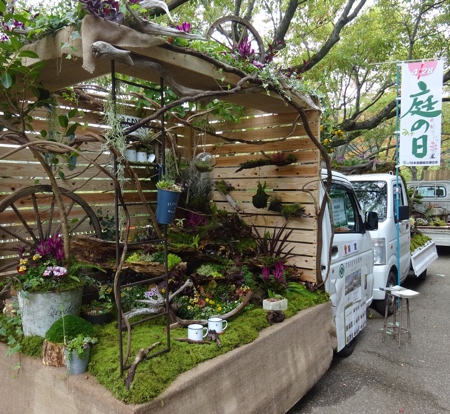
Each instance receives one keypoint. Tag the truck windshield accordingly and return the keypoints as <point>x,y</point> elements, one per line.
<point>372,196</point>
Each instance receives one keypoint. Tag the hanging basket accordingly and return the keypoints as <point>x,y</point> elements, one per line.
<point>204,162</point>
<point>166,206</point>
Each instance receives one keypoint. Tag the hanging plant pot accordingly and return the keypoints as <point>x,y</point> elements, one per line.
<point>259,200</point>
<point>167,203</point>
<point>204,162</point>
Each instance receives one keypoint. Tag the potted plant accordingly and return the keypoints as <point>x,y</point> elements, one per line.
<point>259,200</point>
<point>99,311</point>
<point>48,285</point>
<point>77,353</point>
<point>275,301</point>
<point>61,332</point>
<point>167,202</point>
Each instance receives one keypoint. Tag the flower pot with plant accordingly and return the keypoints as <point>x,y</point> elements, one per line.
<point>275,301</point>
<point>259,200</point>
<point>168,195</point>
<point>99,311</point>
<point>77,353</point>
<point>48,286</point>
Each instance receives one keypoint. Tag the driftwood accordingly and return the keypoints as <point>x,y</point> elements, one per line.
<point>191,341</point>
<point>139,358</point>
<point>212,336</point>
<point>184,323</point>
<point>104,50</point>
<point>154,29</point>
<point>228,197</point>
<point>155,305</point>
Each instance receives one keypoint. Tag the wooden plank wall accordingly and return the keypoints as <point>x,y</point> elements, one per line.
<point>21,170</point>
<point>287,181</point>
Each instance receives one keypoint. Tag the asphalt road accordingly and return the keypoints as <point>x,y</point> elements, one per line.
<point>381,378</point>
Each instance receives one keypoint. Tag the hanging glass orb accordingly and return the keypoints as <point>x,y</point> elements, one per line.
<point>204,162</point>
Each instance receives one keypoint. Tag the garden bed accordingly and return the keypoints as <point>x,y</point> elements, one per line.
<point>268,375</point>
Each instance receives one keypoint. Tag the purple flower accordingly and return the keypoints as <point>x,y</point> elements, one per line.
<point>265,273</point>
<point>279,272</point>
<point>53,247</point>
<point>185,27</point>
<point>151,293</point>
<point>245,49</point>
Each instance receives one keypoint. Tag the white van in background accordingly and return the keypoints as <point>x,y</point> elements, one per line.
<point>435,194</point>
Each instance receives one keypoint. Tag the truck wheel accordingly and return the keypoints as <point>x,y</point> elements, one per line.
<point>347,350</point>
<point>423,275</point>
<point>380,305</point>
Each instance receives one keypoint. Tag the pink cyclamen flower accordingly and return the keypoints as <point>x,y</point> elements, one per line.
<point>265,273</point>
<point>59,271</point>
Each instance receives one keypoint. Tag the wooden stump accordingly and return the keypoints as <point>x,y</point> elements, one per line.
<point>53,354</point>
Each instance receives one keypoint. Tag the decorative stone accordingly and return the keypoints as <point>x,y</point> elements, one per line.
<point>275,304</point>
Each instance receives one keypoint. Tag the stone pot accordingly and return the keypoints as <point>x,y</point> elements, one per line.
<point>41,310</point>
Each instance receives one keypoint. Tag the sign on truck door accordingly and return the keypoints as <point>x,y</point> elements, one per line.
<point>350,273</point>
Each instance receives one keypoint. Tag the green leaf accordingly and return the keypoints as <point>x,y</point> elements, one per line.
<point>43,133</point>
<point>55,160</point>
<point>73,112</point>
<point>72,129</point>
<point>63,121</point>
<point>61,175</point>
<point>2,7</point>
<point>28,54</point>
<point>6,81</point>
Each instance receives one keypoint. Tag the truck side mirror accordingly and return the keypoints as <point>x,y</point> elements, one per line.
<point>371,221</point>
<point>403,213</point>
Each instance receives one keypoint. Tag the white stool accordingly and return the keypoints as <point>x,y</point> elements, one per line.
<point>395,327</point>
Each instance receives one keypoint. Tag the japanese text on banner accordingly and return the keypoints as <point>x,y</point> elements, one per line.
<point>420,122</point>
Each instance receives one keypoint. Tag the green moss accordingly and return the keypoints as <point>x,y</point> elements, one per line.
<point>32,346</point>
<point>154,375</point>
<point>70,326</point>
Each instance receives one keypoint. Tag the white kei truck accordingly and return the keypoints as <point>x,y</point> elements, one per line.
<point>393,259</point>
<point>347,260</point>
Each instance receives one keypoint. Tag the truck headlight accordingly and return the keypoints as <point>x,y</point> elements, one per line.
<point>379,251</point>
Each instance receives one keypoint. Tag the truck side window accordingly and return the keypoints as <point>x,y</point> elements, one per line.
<point>402,201</point>
<point>344,208</point>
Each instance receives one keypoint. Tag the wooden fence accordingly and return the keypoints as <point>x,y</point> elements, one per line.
<point>277,132</point>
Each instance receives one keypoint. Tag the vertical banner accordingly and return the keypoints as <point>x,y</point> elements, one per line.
<point>421,113</point>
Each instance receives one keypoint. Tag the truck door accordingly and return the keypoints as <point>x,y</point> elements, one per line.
<point>350,274</point>
<point>404,230</point>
